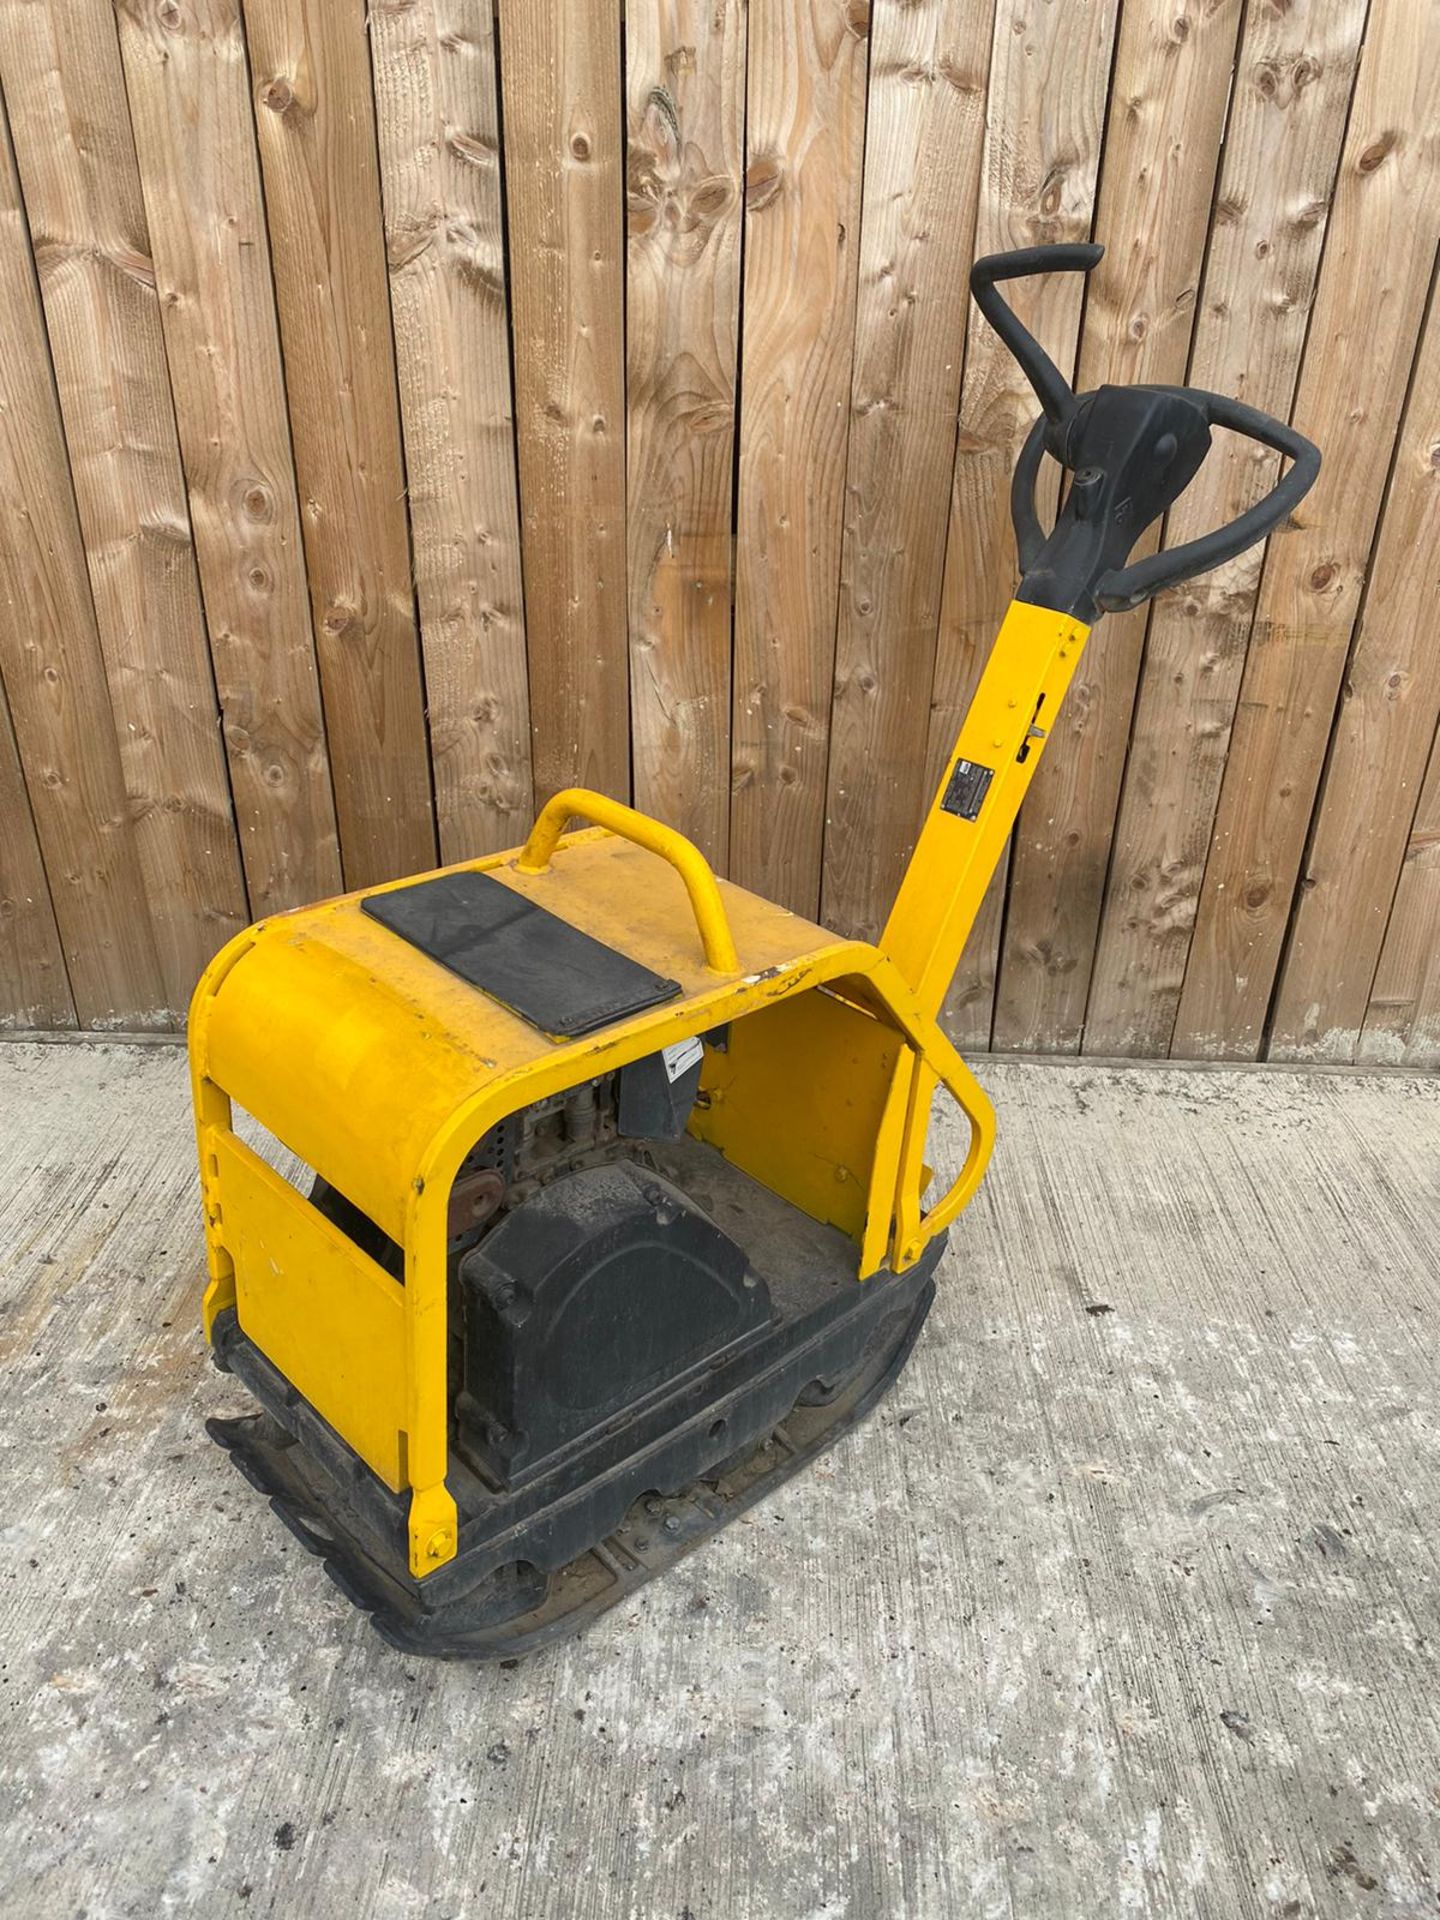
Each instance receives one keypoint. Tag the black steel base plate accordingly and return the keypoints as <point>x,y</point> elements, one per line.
<point>502,1618</point>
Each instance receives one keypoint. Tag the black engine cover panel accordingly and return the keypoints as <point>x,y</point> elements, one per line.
<point>606,1286</point>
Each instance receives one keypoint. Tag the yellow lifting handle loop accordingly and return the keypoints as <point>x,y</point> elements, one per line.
<point>683,855</point>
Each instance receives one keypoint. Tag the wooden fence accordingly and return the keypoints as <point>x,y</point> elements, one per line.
<point>404,416</point>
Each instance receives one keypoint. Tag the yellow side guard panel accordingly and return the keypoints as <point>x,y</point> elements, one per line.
<point>796,1100</point>
<point>351,1379</point>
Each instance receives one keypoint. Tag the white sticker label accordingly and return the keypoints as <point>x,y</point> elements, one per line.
<point>681,1057</point>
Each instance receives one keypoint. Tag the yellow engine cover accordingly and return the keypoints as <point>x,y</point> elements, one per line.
<point>380,1069</point>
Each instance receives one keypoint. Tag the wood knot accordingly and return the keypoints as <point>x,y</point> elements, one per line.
<point>1377,153</point>
<point>132,261</point>
<point>278,96</point>
<point>476,258</point>
<point>1323,576</point>
<point>968,85</point>
<point>643,210</point>
<point>170,529</point>
<point>1052,193</point>
<point>170,17</point>
<point>470,149</point>
<point>340,617</point>
<point>580,146</point>
<point>258,501</point>
<point>710,199</point>
<point>763,180</point>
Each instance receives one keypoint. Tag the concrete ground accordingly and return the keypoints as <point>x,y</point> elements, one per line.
<point>1124,1602</point>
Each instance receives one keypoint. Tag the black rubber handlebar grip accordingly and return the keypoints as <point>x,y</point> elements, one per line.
<point>1120,589</point>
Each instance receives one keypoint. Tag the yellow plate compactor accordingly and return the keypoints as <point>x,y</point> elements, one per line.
<point>619,1210</point>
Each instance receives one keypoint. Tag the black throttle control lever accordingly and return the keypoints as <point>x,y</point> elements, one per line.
<point>1131,452</point>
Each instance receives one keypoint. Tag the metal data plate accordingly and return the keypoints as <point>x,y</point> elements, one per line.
<point>966,789</point>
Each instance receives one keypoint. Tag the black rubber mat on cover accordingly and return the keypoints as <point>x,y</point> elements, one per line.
<point>550,973</point>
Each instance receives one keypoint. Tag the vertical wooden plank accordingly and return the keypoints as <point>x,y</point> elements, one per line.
<point>685,119</point>
<point>1402,1022</point>
<point>439,122</point>
<point>1378,259</point>
<point>1287,122</point>
<point>804,158</point>
<point>310,69</point>
<point>929,64</point>
<point>1168,99</point>
<point>70,123</point>
<point>1046,113</point>
<point>34,991</point>
<point>190,110</point>
<point>1388,714</point>
<point>53,672</point>
<point>560,70</point>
